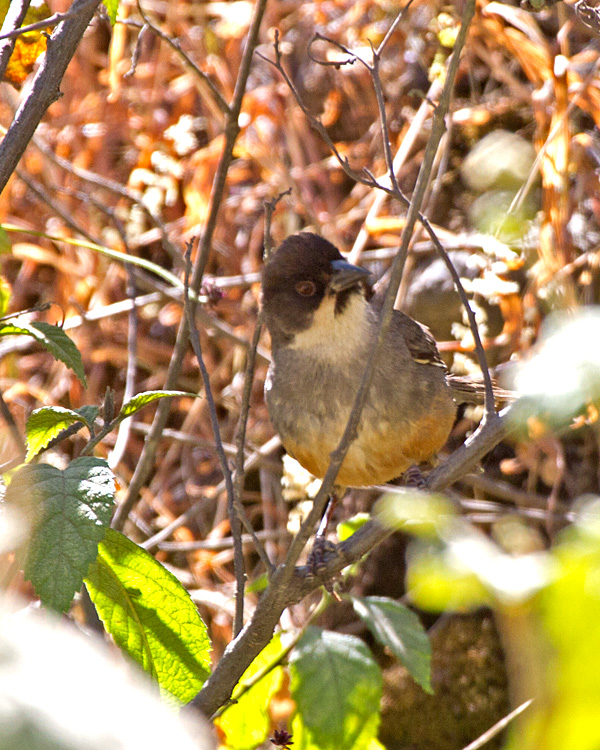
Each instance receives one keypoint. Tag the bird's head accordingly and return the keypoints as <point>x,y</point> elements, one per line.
<point>307,285</point>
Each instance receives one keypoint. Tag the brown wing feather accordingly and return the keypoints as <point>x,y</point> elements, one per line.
<point>420,342</point>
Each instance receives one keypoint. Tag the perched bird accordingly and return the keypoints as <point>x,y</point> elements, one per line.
<point>323,319</point>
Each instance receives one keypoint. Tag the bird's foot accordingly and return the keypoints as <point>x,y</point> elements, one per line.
<point>322,553</point>
<point>413,477</point>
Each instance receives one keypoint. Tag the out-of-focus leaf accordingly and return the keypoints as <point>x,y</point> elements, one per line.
<point>54,339</point>
<point>398,628</point>
<point>61,689</point>
<point>345,529</point>
<point>112,8</point>
<point>5,243</point>
<point>246,723</point>
<point>70,512</point>
<point>564,375</point>
<point>28,46</point>
<point>419,513</point>
<point>437,583</point>
<point>5,292</point>
<point>150,616</point>
<point>559,654</point>
<point>337,687</point>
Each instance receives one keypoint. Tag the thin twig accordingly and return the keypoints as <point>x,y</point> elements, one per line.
<point>45,87</point>
<point>234,520</point>
<point>114,187</point>
<point>498,727</point>
<point>188,62</point>
<point>12,426</point>
<point>251,463</point>
<point>47,22</point>
<point>240,439</point>
<point>148,456</point>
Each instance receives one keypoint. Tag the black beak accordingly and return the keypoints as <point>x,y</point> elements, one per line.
<point>345,275</point>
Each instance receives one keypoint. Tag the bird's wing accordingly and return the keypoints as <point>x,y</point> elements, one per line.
<point>421,344</point>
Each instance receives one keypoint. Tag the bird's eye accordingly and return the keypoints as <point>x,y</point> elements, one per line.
<point>306,288</point>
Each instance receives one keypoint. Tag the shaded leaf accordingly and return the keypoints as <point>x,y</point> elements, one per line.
<point>70,512</point>
<point>150,615</point>
<point>54,339</point>
<point>398,628</point>
<point>337,688</point>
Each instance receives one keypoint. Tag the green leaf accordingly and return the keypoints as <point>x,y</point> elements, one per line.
<point>437,582</point>
<point>45,424</point>
<point>112,7</point>
<point>143,399</point>
<point>150,616</point>
<point>54,339</point>
<point>398,628</point>
<point>337,686</point>
<point>70,512</point>
<point>88,414</point>
<point>5,290</point>
<point>247,722</point>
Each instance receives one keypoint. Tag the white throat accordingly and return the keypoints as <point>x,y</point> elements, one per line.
<point>330,336</point>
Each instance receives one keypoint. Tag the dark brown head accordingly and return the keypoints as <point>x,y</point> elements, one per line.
<point>303,272</point>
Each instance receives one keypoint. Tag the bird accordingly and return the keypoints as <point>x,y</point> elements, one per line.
<point>323,318</point>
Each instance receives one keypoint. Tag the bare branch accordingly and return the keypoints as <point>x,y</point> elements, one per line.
<point>45,88</point>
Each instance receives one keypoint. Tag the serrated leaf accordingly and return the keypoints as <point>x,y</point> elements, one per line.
<point>112,8</point>
<point>337,686</point>
<point>143,399</point>
<point>150,616</point>
<point>246,723</point>
<point>398,628</point>
<point>54,339</point>
<point>70,511</point>
<point>45,424</point>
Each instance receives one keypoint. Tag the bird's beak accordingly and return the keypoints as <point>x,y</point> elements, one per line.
<point>345,275</point>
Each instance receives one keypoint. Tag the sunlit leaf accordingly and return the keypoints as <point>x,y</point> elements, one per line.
<point>398,628</point>
<point>45,424</point>
<point>150,616</point>
<point>143,399</point>
<point>246,722</point>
